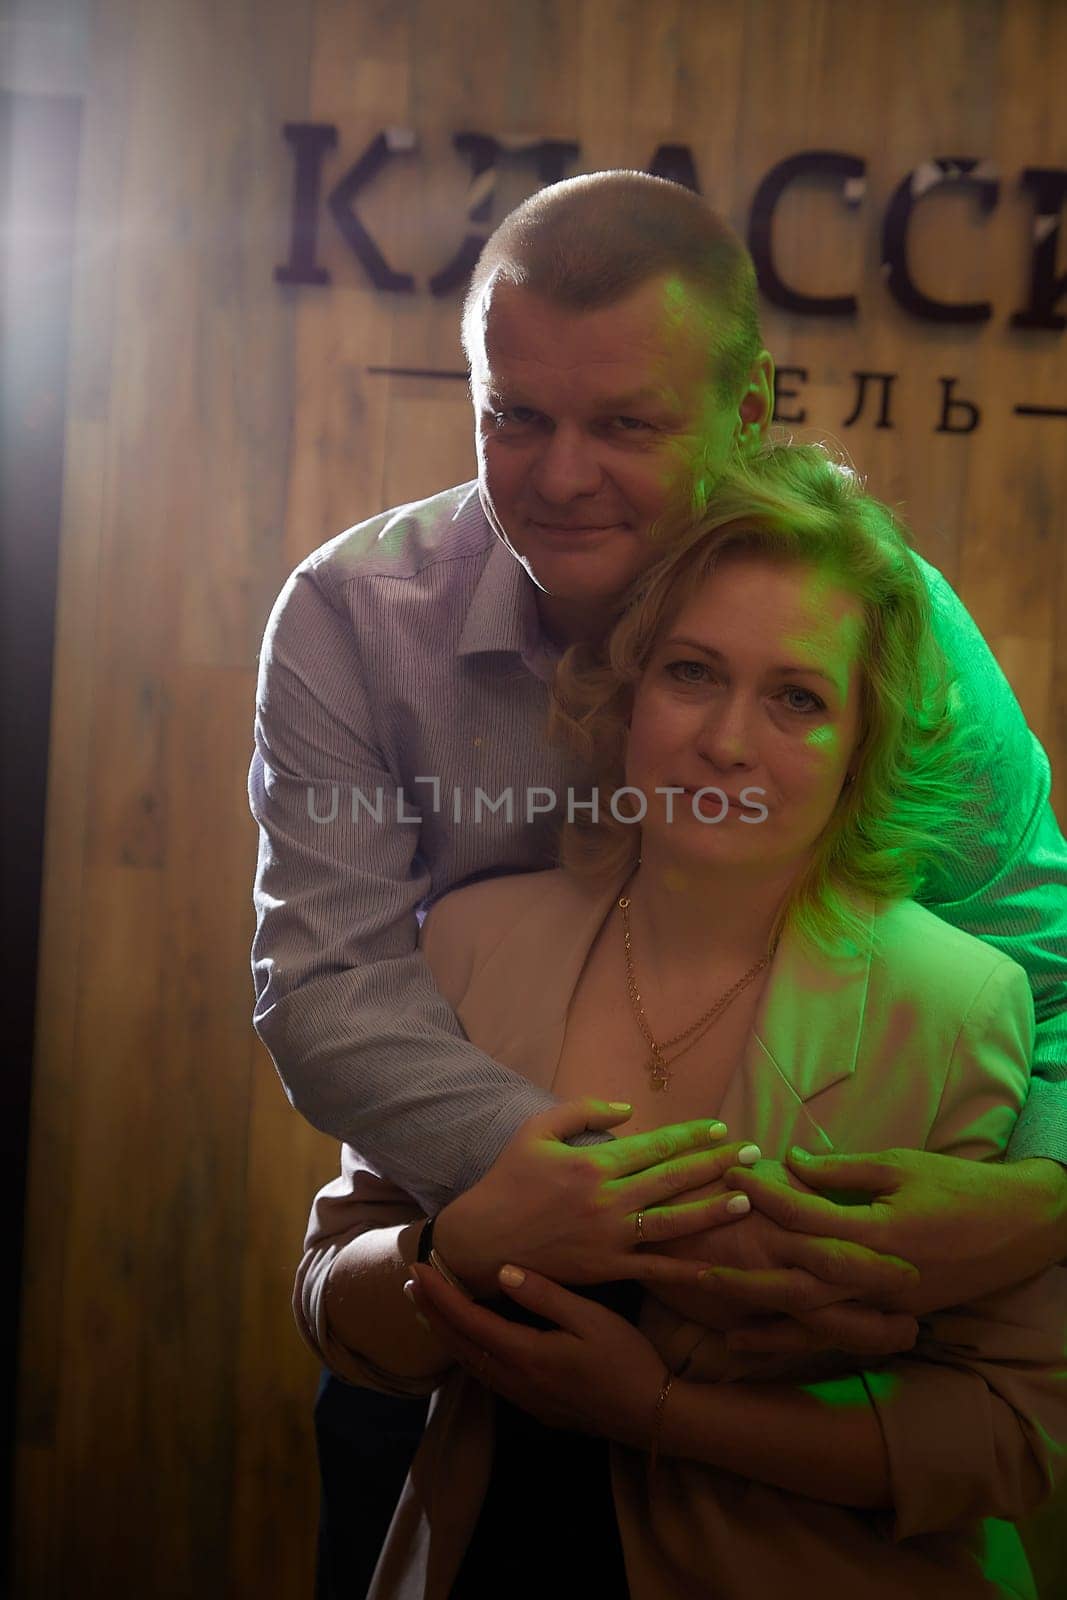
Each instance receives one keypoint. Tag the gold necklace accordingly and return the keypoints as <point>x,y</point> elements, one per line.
<point>661,1078</point>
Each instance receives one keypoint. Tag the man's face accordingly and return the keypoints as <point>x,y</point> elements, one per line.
<point>586,421</point>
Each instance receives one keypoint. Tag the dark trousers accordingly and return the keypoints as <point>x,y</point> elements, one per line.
<point>366,1442</point>
<point>541,1476</point>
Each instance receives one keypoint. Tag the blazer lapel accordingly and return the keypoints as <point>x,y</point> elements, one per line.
<point>811,1014</point>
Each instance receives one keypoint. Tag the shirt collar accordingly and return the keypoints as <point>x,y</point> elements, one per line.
<point>502,614</point>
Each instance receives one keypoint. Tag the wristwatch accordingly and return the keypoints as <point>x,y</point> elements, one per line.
<point>426,1240</point>
<point>428,1255</point>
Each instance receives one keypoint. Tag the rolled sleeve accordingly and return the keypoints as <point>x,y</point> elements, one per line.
<point>357,1202</point>
<point>313,1326</point>
<point>975,1417</point>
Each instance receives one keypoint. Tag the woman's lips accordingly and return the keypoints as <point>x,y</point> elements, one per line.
<point>714,796</point>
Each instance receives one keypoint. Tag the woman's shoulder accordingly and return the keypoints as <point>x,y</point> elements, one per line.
<point>922,954</point>
<point>492,901</point>
<point>468,923</point>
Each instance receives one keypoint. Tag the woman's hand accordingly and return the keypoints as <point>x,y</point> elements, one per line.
<point>570,1212</point>
<point>595,1374</point>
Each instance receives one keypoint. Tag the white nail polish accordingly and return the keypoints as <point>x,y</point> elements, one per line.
<point>748,1155</point>
<point>738,1204</point>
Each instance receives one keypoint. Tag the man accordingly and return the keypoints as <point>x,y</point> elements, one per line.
<point>616,364</point>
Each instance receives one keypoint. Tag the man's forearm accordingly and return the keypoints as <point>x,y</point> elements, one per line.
<point>821,1439</point>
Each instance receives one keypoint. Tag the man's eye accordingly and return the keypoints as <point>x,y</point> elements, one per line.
<point>638,422</point>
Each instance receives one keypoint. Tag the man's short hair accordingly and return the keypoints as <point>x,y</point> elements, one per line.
<point>589,241</point>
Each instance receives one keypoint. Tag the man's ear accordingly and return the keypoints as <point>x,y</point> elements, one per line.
<point>757,402</point>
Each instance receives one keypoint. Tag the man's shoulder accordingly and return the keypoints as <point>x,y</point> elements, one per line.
<point>402,542</point>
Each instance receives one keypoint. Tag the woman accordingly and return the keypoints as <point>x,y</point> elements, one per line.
<point>731,935</point>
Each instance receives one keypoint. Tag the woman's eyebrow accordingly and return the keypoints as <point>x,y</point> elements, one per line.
<point>717,655</point>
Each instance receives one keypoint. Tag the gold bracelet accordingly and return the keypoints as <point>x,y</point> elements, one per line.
<point>450,1277</point>
<point>657,1424</point>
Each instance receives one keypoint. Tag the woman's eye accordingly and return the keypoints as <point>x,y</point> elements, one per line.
<point>698,672</point>
<point>687,671</point>
<point>638,422</point>
<point>814,703</point>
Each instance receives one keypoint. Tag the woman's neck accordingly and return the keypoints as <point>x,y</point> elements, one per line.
<point>683,920</point>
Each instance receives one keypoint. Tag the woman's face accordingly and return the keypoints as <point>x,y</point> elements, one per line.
<point>752,689</point>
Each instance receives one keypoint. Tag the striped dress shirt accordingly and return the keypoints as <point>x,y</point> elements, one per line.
<point>400,750</point>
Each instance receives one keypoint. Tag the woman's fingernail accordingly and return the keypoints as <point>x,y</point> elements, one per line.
<point>748,1155</point>
<point>409,1290</point>
<point>716,1130</point>
<point>798,1154</point>
<point>739,1204</point>
<point>512,1276</point>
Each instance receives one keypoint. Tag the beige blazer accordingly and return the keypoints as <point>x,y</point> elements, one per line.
<point>923,1041</point>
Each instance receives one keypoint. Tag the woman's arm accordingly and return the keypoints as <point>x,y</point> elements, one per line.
<point>970,1425</point>
<point>366,1311</point>
<point>820,1439</point>
<point>973,1421</point>
<point>348,1300</point>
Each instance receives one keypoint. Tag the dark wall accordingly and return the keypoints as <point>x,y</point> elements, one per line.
<point>39,139</point>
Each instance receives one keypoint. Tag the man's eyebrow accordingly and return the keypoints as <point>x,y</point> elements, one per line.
<point>639,397</point>
<point>717,655</point>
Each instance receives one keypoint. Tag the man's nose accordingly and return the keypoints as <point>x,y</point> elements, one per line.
<point>567,464</point>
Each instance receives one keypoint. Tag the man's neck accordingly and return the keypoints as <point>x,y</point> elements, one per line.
<point>567,622</point>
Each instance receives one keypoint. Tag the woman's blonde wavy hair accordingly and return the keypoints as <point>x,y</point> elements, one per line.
<point>909,799</point>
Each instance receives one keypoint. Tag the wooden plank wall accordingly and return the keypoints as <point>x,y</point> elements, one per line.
<point>220,426</point>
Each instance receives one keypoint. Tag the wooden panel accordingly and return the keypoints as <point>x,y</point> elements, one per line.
<point>220,426</point>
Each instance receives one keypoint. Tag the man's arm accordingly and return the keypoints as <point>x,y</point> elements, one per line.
<point>1011,891</point>
<point>365,1045</point>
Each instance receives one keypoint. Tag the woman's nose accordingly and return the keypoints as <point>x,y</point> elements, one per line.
<point>566,464</point>
<point>727,735</point>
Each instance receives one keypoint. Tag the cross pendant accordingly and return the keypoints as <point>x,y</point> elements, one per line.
<point>661,1078</point>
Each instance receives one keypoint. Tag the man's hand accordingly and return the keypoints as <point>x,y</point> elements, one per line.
<point>777,1290</point>
<point>970,1227</point>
